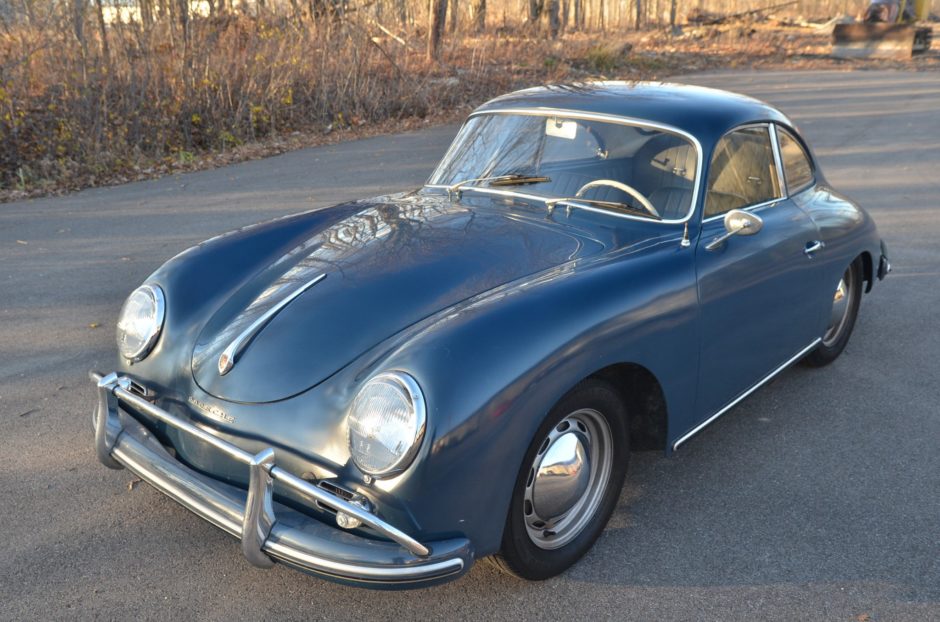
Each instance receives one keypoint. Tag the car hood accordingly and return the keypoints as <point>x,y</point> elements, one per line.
<point>355,282</point>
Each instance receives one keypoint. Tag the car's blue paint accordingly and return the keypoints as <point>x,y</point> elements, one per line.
<point>404,259</point>
<point>748,304</point>
<point>498,308</point>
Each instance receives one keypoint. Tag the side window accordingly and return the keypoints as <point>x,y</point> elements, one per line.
<point>743,171</point>
<point>797,167</point>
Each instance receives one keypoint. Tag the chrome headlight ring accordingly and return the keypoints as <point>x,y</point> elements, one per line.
<point>141,322</point>
<point>386,423</point>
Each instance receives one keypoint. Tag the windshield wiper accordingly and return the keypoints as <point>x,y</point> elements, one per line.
<point>512,179</point>
<point>551,203</point>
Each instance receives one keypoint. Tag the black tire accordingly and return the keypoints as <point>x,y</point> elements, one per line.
<point>519,555</point>
<point>832,346</point>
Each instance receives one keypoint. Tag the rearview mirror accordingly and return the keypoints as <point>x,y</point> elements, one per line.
<point>737,222</point>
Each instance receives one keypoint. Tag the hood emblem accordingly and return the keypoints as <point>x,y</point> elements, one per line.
<point>233,351</point>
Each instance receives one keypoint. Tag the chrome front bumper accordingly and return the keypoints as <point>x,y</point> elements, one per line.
<point>268,531</point>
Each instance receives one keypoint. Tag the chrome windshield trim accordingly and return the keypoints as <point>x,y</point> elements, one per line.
<point>741,397</point>
<point>230,354</point>
<point>607,118</point>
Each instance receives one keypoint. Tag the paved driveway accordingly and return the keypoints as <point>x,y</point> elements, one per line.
<point>818,498</point>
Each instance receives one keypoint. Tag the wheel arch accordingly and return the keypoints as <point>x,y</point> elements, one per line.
<point>868,270</point>
<point>644,400</point>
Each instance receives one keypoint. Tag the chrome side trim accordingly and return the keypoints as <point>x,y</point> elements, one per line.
<point>608,118</point>
<point>230,354</point>
<point>113,383</point>
<point>741,397</point>
<point>750,208</point>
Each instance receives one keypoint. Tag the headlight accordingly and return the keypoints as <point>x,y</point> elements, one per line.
<point>386,424</point>
<point>140,322</point>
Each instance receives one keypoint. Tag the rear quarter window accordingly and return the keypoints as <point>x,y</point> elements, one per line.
<point>797,167</point>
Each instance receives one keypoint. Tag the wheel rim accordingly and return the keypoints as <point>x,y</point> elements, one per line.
<point>842,301</point>
<point>567,480</point>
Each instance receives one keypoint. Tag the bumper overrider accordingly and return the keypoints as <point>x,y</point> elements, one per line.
<point>268,531</point>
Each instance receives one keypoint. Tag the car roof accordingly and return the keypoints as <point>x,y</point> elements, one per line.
<point>705,113</point>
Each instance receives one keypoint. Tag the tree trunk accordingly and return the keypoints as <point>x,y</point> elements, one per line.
<point>452,17</point>
<point>403,13</point>
<point>672,15</point>
<point>554,23</point>
<point>638,21</point>
<point>479,16</point>
<point>535,11</point>
<point>437,13</point>
<point>103,31</point>
<point>78,25</point>
<point>146,12</point>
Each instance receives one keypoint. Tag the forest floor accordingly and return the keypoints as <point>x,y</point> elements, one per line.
<point>515,60</point>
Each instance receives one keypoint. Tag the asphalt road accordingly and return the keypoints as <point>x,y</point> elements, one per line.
<point>817,498</point>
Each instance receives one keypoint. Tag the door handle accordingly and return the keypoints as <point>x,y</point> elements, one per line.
<point>812,247</point>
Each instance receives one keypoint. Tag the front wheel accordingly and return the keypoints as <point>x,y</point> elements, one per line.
<point>845,303</point>
<point>569,483</point>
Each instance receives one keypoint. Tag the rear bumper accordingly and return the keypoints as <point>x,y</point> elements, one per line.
<point>268,531</point>
<point>884,266</point>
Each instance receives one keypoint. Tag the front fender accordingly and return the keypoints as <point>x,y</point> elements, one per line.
<point>492,369</point>
<point>199,279</point>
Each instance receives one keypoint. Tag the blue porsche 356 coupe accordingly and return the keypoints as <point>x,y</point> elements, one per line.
<point>383,391</point>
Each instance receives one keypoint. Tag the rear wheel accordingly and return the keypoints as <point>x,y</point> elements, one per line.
<point>845,303</point>
<point>569,483</point>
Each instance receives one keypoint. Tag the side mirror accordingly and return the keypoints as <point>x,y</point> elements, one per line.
<point>737,222</point>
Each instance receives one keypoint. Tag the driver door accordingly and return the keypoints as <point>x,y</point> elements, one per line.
<point>756,307</point>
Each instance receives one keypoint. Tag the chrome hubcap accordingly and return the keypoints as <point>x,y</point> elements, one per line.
<point>567,479</point>
<point>841,303</point>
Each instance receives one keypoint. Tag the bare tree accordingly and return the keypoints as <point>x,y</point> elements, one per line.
<point>535,11</point>
<point>452,17</point>
<point>437,13</point>
<point>402,12</point>
<point>103,32</point>
<point>478,10</point>
<point>554,21</point>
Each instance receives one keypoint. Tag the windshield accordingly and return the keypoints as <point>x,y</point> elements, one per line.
<point>556,157</point>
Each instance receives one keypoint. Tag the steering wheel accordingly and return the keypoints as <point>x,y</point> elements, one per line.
<point>633,192</point>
